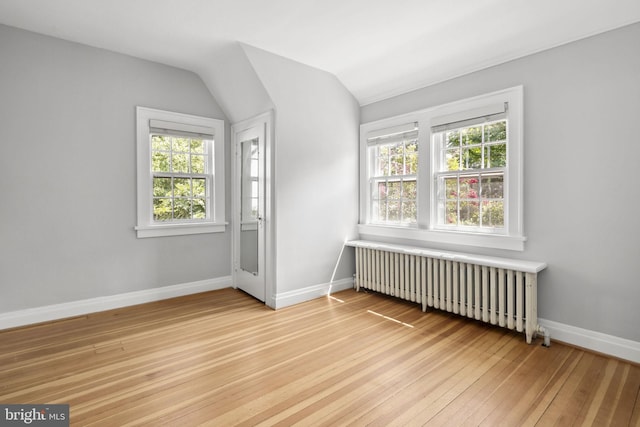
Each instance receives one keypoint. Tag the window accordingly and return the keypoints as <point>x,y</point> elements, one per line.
<point>393,180</point>
<point>249,186</point>
<point>470,164</point>
<point>180,174</point>
<point>447,174</point>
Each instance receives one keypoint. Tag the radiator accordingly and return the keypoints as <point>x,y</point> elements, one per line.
<point>498,291</point>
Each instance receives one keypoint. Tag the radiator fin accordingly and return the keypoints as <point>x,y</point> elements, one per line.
<point>499,296</point>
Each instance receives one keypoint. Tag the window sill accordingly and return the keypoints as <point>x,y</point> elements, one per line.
<point>513,243</point>
<point>163,230</point>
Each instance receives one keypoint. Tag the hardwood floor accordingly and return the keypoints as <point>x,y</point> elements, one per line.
<point>221,358</point>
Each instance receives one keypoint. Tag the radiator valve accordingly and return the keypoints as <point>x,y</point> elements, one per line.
<point>546,335</point>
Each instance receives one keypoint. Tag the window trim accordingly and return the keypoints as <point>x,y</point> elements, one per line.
<point>178,122</point>
<point>426,229</point>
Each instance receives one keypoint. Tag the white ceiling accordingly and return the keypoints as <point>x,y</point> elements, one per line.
<point>377,48</point>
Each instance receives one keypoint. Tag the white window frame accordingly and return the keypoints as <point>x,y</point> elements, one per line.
<point>176,123</point>
<point>427,229</point>
<point>386,137</point>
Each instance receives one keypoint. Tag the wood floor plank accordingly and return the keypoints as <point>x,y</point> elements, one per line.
<point>221,358</point>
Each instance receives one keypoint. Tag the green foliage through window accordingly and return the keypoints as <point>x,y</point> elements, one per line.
<point>179,167</point>
<point>471,177</point>
<point>395,182</point>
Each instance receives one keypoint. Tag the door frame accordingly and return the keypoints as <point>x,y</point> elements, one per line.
<point>266,121</point>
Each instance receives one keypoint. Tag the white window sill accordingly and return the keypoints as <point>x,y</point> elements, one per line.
<point>513,243</point>
<point>162,230</point>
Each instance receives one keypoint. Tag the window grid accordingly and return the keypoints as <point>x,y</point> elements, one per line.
<point>181,178</point>
<point>250,183</point>
<point>394,184</point>
<point>470,181</point>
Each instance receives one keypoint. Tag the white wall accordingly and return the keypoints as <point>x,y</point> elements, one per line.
<point>316,170</point>
<point>235,85</point>
<point>67,174</point>
<point>582,149</point>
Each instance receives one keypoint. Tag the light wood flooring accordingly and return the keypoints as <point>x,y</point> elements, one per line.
<point>221,358</point>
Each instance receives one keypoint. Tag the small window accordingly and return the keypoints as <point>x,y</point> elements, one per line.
<point>394,171</point>
<point>180,174</point>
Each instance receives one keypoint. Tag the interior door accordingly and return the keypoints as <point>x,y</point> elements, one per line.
<point>249,237</point>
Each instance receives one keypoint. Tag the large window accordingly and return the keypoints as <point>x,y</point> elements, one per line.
<point>448,174</point>
<point>180,174</point>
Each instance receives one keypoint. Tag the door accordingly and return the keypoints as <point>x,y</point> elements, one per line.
<point>249,265</point>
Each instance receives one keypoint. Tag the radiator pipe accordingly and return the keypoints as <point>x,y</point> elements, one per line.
<point>546,334</point>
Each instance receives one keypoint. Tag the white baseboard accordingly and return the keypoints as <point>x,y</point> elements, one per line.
<point>78,308</point>
<point>285,299</point>
<point>595,341</point>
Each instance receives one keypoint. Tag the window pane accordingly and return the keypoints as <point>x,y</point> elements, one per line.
<point>160,162</point>
<point>162,209</point>
<point>472,158</point>
<point>199,187</point>
<point>181,145</point>
<point>161,187</point>
<point>199,209</point>
<point>382,161</point>
<point>472,135</point>
<point>379,208</point>
<point>470,213</point>
<point>396,166</point>
<point>382,191</point>
<point>160,143</point>
<point>197,164</point>
<point>180,163</point>
<point>452,139</point>
<point>411,159</point>
<point>197,146</point>
<point>469,188</point>
<point>495,156</point>
<point>182,187</point>
<point>409,190</point>
<point>394,211</point>
<point>409,212</point>
<point>253,168</point>
<point>451,213</point>
<point>254,208</point>
<point>451,188</point>
<point>395,190</point>
<point>496,131</point>
<point>182,208</point>
<point>452,160</point>
<point>493,213</point>
<point>493,187</point>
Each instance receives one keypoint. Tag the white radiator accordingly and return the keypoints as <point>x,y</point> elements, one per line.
<point>498,291</point>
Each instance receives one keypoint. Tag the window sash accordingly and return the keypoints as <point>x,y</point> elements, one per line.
<point>165,206</point>
<point>399,208</point>
<point>443,206</point>
<point>477,196</point>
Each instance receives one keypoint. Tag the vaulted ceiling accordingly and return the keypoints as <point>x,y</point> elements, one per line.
<point>378,49</point>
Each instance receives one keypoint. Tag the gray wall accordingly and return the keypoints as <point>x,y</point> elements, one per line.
<point>316,170</point>
<point>67,174</point>
<point>235,85</point>
<point>581,148</point>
